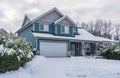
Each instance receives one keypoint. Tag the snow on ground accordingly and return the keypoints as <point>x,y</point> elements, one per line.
<point>74,67</point>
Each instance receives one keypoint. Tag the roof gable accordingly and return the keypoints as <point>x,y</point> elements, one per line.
<point>67,19</point>
<point>26,20</point>
<point>47,13</point>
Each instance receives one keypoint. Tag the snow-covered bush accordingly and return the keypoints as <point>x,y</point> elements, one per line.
<point>14,52</point>
<point>111,51</point>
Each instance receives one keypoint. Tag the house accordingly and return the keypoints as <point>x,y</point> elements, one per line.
<point>56,34</point>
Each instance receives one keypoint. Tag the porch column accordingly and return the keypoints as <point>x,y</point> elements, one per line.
<point>83,48</point>
<point>37,46</point>
<point>69,51</point>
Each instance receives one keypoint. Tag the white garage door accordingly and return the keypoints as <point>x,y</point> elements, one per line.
<point>53,49</point>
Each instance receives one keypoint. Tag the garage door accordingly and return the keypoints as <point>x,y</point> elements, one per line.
<point>53,49</point>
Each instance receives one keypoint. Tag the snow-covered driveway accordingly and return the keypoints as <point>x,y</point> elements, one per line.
<point>73,67</point>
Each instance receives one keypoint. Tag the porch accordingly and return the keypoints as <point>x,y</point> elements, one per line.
<point>83,48</point>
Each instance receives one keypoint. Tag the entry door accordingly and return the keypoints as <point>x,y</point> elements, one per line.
<point>75,48</point>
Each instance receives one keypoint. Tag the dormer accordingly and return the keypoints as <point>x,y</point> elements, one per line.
<point>65,26</point>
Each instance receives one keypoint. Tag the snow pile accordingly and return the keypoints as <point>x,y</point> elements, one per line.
<point>93,68</point>
<point>35,62</point>
<point>25,72</point>
<point>74,67</point>
<point>83,35</point>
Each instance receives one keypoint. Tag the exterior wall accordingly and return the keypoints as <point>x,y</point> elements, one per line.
<point>58,31</point>
<point>50,18</point>
<point>27,34</point>
<point>65,22</point>
<point>37,28</point>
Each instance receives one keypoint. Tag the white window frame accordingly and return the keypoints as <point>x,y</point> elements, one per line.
<point>74,30</point>
<point>40,27</point>
<point>66,29</point>
<point>45,27</point>
<point>33,27</point>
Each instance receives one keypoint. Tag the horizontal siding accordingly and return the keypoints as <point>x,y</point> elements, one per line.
<point>58,31</point>
<point>27,34</point>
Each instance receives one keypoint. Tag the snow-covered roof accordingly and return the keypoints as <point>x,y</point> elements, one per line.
<point>62,18</point>
<point>83,36</point>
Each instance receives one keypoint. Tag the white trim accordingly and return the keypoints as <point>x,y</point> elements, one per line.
<point>46,13</point>
<point>40,28</point>
<point>66,31</point>
<point>46,27</point>
<point>34,27</point>
<point>56,22</point>
<point>48,41</point>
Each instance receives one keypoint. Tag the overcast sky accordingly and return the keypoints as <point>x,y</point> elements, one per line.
<point>12,11</point>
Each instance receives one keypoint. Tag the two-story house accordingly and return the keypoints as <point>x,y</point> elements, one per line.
<point>55,34</point>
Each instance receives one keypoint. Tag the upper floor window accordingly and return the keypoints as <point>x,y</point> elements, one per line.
<point>64,29</point>
<point>44,27</point>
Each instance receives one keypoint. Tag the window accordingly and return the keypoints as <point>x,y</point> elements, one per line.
<point>41,28</point>
<point>88,47</point>
<point>74,30</point>
<point>44,27</point>
<point>65,29</point>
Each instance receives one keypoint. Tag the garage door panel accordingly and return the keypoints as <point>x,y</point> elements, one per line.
<point>53,49</point>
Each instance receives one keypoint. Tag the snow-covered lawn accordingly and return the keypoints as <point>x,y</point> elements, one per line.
<point>73,67</point>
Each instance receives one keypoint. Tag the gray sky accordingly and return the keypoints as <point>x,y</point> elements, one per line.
<point>12,11</point>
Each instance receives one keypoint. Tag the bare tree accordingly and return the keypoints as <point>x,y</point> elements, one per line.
<point>98,27</point>
<point>117,30</point>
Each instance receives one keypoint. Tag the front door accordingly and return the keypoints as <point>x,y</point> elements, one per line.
<point>75,48</point>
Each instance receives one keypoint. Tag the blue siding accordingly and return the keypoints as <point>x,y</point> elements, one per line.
<point>70,34</point>
<point>36,27</point>
<point>27,34</point>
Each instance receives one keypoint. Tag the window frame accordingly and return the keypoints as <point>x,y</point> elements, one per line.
<point>46,29</point>
<point>44,25</point>
<point>66,29</point>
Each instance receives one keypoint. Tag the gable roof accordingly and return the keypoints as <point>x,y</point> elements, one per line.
<point>65,17</point>
<point>44,14</point>
<point>83,36</point>
<point>26,20</point>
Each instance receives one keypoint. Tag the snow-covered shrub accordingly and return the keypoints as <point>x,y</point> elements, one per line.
<point>111,51</point>
<point>14,52</point>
